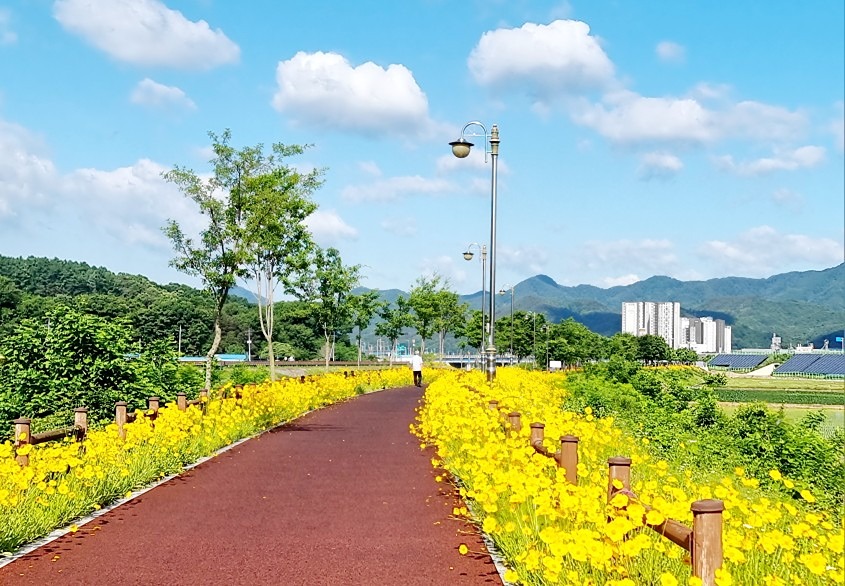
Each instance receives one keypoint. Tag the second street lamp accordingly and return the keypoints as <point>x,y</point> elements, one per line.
<point>461,149</point>
<point>468,256</point>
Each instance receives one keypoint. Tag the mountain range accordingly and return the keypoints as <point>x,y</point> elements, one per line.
<point>801,307</point>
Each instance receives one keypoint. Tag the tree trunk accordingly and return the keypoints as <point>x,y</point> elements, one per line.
<point>327,350</point>
<point>218,334</point>
<point>359,348</point>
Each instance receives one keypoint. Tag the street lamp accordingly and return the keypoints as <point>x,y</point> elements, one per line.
<point>502,291</point>
<point>461,149</point>
<point>468,256</point>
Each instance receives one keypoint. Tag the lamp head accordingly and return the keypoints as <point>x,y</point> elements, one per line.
<point>502,291</point>
<point>468,255</point>
<point>461,148</point>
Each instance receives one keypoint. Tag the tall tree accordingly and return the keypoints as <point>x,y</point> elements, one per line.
<point>451,315</point>
<point>231,200</point>
<point>424,303</point>
<point>328,287</point>
<point>364,307</point>
<point>393,322</point>
<point>276,239</point>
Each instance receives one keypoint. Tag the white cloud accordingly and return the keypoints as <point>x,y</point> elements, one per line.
<point>370,168</point>
<point>670,52</point>
<point>620,281</point>
<point>27,175</point>
<point>801,158</point>
<point>152,94</point>
<point>7,35</point>
<point>629,118</point>
<point>146,32</point>
<point>328,228</point>
<point>395,187</point>
<point>542,59</point>
<point>445,266</point>
<point>763,251</point>
<point>405,227</point>
<point>788,198</point>
<point>647,256</point>
<point>131,203</point>
<point>325,90</point>
<point>659,165</point>
<point>522,258</point>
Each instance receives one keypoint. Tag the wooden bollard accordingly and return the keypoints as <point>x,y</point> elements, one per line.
<point>493,405</point>
<point>537,434</point>
<point>302,379</point>
<point>80,423</point>
<point>182,401</point>
<point>515,421</point>
<point>706,550</point>
<point>619,468</point>
<point>152,405</point>
<point>345,374</point>
<point>352,373</point>
<point>120,418</point>
<point>204,394</point>
<point>23,437</point>
<point>569,457</point>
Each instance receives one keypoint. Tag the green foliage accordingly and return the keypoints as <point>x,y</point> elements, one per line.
<point>776,396</point>
<point>74,359</point>
<point>715,379</point>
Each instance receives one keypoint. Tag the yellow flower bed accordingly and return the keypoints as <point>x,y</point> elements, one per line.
<point>65,480</point>
<point>551,532</point>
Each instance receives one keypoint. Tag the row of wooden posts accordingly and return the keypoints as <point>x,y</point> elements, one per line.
<point>703,541</point>
<point>122,416</point>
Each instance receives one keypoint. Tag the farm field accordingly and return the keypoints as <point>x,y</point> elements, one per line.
<point>778,391</point>
<point>834,415</point>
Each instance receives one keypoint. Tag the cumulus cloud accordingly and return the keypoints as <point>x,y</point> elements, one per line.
<point>659,165</point>
<point>626,117</point>
<point>394,188</point>
<point>670,52</point>
<point>7,35</point>
<point>763,251</point>
<point>27,175</point>
<point>522,258</point>
<point>325,90</point>
<point>561,56</point>
<point>146,32</point>
<point>328,228</point>
<point>152,94</point>
<point>131,203</point>
<point>801,158</point>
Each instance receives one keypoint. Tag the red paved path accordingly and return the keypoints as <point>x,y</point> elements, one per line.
<point>341,496</point>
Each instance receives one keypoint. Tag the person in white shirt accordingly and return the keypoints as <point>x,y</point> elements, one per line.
<point>416,367</point>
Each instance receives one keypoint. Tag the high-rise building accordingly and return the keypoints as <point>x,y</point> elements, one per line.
<point>704,335</point>
<point>656,318</point>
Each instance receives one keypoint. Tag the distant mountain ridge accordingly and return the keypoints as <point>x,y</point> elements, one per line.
<point>801,307</point>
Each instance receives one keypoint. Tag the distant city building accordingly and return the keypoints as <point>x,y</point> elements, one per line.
<point>662,319</point>
<point>703,335</point>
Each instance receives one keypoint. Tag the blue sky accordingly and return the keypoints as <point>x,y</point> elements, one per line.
<point>688,139</point>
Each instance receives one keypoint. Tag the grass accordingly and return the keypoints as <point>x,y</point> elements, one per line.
<point>774,396</point>
<point>785,384</point>
<point>834,415</point>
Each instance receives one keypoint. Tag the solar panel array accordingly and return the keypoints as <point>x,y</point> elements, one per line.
<point>823,364</point>
<point>737,361</point>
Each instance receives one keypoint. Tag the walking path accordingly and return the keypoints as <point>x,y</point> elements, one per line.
<point>341,496</point>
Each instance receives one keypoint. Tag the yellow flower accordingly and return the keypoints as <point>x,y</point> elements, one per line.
<point>73,528</point>
<point>775,475</point>
<point>668,580</point>
<point>814,562</point>
<point>807,496</point>
<point>654,517</point>
<point>463,549</point>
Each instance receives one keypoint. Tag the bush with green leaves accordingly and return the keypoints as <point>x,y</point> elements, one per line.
<point>74,359</point>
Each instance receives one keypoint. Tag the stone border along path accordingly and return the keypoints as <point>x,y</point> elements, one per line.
<point>343,495</point>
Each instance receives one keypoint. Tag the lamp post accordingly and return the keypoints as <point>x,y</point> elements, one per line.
<point>461,148</point>
<point>468,256</point>
<point>533,315</point>
<point>502,291</point>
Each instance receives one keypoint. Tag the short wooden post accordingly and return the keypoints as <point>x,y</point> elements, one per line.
<point>152,405</point>
<point>619,468</point>
<point>302,379</point>
<point>204,394</point>
<point>182,401</point>
<point>538,432</point>
<point>569,457</point>
<point>120,418</point>
<point>706,551</point>
<point>80,423</point>
<point>514,420</point>
<point>493,405</point>
<point>352,373</point>
<point>23,437</point>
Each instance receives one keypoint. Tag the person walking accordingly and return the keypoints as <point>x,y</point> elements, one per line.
<point>416,367</point>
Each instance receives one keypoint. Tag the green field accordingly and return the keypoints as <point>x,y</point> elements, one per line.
<point>834,415</point>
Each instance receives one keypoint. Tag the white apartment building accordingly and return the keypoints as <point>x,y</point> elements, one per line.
<point>656,318</point>
<point>703,335</point>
